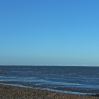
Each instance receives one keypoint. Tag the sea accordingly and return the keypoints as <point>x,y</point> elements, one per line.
<point>65,79</point>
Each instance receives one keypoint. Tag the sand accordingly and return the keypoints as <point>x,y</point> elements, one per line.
<point>12,92</point>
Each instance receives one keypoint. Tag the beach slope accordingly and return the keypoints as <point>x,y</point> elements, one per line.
<point>12,92</point>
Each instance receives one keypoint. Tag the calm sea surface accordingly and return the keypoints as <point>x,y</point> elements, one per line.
<point>67,79</point>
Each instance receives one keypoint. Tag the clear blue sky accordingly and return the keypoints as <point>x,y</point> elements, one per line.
<point>49,32</point>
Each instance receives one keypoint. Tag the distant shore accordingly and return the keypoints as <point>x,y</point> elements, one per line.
<point>12,92</point>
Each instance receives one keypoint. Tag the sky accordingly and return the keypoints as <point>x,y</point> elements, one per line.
<point>49,32</point>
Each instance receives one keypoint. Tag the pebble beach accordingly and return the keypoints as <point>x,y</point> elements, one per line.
<point>13,92</point>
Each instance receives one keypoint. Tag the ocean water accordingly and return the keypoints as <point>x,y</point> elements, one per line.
<point>66,79</point>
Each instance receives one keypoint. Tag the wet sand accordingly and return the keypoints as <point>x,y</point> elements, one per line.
<point>12,92</point>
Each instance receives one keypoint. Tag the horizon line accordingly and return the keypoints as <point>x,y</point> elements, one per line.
<point>57,65</point>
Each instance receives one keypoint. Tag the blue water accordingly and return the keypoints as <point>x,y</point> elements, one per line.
<point>67,79</point>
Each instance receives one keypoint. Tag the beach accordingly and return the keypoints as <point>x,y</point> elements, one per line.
<point>13,92</point>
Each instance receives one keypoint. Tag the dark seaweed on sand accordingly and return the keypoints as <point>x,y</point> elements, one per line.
<point>95,95</point>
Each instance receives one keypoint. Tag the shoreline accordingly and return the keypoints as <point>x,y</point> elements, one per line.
<point>15,92</point>
<point>67,90</point>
